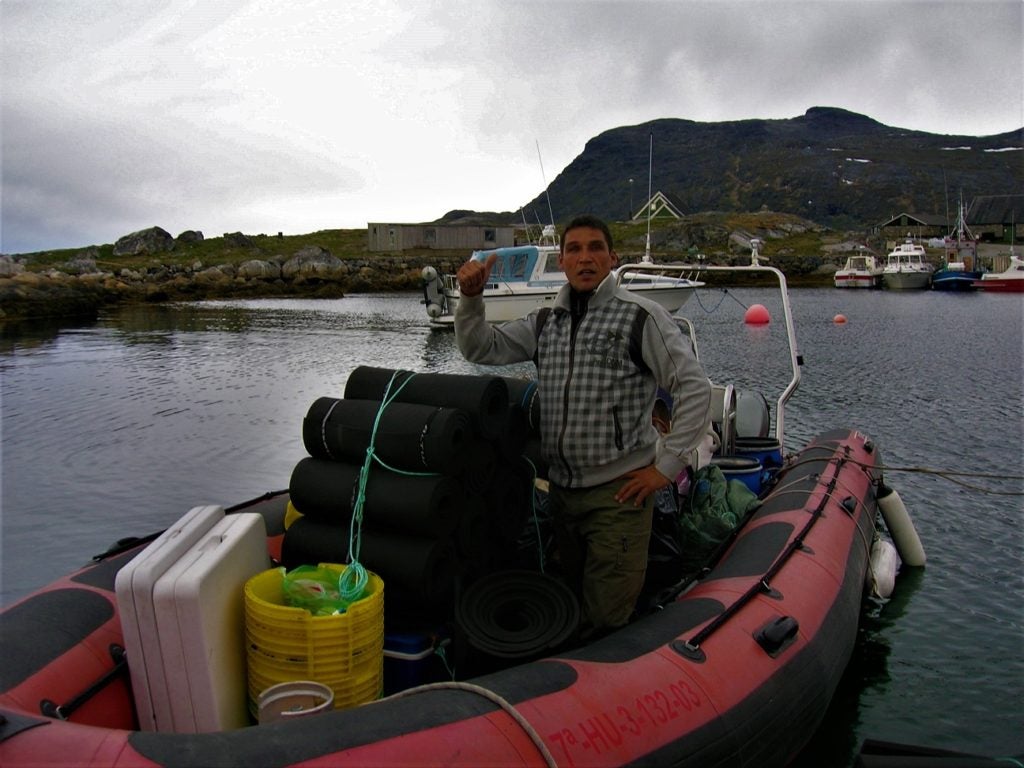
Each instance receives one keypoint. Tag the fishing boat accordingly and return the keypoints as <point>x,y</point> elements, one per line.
<point>1010,280</point>
<point>458,646</point>
<point>527,277</point>
<point>906,268</point>
<point>861,270</point>
<point>959,271</point>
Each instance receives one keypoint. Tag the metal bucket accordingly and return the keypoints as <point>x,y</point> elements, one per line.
<point>295,699</point>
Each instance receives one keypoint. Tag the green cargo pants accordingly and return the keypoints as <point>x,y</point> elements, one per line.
<point>602,545</point>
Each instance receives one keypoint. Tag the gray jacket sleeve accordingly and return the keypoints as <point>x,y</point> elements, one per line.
<point>483,342</point>
<point>669,354</point>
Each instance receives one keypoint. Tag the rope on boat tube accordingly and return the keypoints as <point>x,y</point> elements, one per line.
<point>494,698</point>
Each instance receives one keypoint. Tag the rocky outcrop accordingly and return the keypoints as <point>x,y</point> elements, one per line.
<point>313,262</point>
<point>9,267</point>
<point>190,236</point>
<point>257,269</point>
<point>152,240</point>
<point>238,240</point>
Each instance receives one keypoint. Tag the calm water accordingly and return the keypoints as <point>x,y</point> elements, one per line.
<point>119,427</point>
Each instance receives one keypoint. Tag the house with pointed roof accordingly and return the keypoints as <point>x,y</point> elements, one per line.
<point>915,225</point>
<point>660,206</point>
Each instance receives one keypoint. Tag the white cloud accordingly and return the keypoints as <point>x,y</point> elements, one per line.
<point>265,116</point>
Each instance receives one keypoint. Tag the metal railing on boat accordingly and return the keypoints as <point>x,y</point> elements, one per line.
<point>796,360</point>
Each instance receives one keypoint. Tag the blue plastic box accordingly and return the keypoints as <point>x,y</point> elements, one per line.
<point>412,659</point>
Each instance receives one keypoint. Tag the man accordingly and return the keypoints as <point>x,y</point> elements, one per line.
<point>601,355</point>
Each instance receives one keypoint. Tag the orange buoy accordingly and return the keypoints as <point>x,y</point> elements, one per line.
<point>757,315</point>
<point>839,319</point>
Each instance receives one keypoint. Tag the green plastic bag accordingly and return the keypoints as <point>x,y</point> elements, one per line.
<point>314,589</point>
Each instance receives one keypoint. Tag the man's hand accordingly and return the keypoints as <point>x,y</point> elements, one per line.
<point>473,275</point>
<point>641,483</point>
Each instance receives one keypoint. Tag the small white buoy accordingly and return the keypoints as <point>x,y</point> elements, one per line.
<point>900,526</point>
<point>885,563</point>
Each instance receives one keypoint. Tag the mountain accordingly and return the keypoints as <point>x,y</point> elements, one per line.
<point>829,165</point>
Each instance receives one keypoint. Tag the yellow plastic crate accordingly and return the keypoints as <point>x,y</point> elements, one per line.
<point>284,644</point>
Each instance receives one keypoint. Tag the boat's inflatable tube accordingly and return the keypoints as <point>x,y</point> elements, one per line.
<point>900,526</point>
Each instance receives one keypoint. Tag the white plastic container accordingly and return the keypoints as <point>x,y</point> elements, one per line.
<point>134,589</point>
<point>199,606</point>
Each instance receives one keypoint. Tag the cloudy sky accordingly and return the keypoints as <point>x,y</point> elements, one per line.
<point>271,116</point>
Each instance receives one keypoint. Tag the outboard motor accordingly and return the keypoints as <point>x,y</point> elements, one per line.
<point>433,296</point>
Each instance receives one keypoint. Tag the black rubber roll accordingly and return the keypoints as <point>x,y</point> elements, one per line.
<point>517,614</point>
<point>532,452</point>
<point>509,501</point>
<point>413,437</point>
<point>484,398</point>
<point>420,569</point>
<point>481,466</point>
<point>427,506</point>
<point>515,433</point>
<point>522,394</point>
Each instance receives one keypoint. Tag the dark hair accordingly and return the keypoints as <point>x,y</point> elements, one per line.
<point>592,222</point>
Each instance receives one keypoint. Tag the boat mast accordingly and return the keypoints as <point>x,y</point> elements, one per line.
<point>650,174</point>
<point>547,193</point>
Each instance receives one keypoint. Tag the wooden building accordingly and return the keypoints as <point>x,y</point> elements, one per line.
<point>459,237</point>
<point>996,217</point>
<point>915,225</point>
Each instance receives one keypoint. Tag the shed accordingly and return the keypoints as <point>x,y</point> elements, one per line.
<point>466,237</point>
<point>917,225</point>
<point>996,217</point>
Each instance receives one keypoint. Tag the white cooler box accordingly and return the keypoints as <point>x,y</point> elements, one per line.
<point>182,610</point>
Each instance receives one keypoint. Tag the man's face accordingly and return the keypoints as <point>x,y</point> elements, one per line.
<point>586,258</point>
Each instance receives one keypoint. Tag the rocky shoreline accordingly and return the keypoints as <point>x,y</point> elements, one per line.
<point>84,289</point>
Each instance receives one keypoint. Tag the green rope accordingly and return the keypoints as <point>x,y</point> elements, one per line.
<point>354,579</point>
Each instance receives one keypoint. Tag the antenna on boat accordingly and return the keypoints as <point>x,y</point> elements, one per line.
<point>526,226</point>
<point>547,194</point>
<point>650,174</point>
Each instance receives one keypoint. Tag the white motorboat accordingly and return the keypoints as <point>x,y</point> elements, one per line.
<point>906,268</point>
<point>860,271</point>
<point>526,277</point>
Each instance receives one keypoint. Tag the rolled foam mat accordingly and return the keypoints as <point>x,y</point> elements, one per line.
<point>428,506</point>
<point>419,438</point>
<point>517,614</point>
<point>421,569</point>
<point>522,394</point>
<point>509,499</point>
<point>485,398</point>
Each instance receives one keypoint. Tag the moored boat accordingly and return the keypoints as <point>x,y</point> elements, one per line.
<point>861,270</point>
<point>732,663</point>
<point>906,268</point>
<point>1010,280</point>
<point>527,277</point>
<point>960,269</point>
